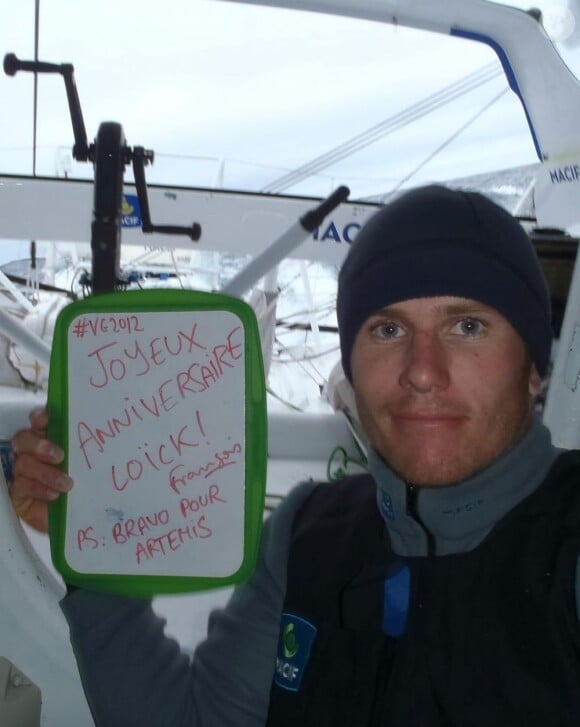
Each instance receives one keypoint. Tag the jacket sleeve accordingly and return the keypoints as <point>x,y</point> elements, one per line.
<point>133,675</point>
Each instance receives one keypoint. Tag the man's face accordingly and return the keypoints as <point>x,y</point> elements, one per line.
<point>443,386</point>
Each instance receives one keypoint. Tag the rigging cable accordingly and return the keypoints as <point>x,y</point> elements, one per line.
<point>403,118</point>
<point>442,146</point>
<point>33,279</point>
<point>35,91</point>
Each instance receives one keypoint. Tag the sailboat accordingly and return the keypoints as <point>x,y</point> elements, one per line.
<point>301,444</point>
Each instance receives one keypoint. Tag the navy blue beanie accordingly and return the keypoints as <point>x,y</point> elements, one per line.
<point>436,241</point>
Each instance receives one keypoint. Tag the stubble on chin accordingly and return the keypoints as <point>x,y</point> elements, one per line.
<point>427,465</point>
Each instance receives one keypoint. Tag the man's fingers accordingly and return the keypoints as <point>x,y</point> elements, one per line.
<point>38,418</point>
<point>30,442</point>
<point>32,490</point>
<point>37,478</point>
<point>34,478</point>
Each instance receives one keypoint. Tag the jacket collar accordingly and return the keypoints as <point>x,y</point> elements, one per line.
<point>458,517</point>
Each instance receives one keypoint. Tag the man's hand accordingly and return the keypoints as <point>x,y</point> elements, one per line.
<point>37,478</point>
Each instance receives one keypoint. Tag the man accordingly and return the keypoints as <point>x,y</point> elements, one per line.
<point>437,590</point>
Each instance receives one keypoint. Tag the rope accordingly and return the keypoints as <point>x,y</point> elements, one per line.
<point>341,466</point>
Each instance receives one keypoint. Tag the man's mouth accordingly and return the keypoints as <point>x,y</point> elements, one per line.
<point>429,418</point>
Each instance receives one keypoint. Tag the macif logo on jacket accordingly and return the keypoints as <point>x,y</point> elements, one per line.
<point>294,645</point>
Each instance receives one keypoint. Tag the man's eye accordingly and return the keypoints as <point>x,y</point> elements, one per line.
<point>469,327</point>
<point>386,331</point>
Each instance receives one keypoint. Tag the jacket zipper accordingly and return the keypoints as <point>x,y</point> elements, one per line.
<point>412,495</point>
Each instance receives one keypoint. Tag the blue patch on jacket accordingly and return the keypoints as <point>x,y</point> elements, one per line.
<point>294,645</point>
<point>396,598</point>
<point>386,505</point>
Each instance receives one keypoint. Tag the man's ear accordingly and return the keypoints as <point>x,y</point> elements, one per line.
<point>535,382</point>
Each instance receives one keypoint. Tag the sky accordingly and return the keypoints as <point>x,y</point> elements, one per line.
<point>237,95</point>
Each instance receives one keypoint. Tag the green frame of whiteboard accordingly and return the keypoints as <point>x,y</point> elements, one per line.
<point>161,300</point>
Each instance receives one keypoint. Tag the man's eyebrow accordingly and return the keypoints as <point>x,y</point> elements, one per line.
<point>386,312</point>
<point>467,308</point>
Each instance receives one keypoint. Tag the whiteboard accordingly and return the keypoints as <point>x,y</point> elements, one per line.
<point>158,399</point>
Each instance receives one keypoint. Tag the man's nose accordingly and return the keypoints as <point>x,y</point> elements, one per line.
<point>426,364</point>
